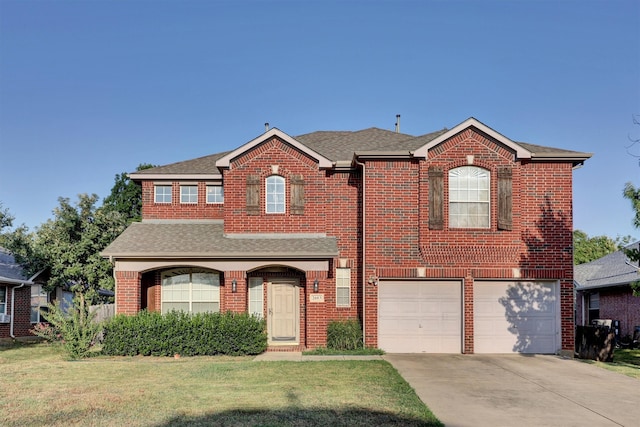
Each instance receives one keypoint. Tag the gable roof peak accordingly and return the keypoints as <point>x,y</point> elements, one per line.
<point>225,161</point>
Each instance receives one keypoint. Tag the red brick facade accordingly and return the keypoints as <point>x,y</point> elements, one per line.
<point>382,205</point>
<point>21,314</point>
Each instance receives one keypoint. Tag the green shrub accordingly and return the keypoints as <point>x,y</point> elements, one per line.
<point>344,335</point>
<point>73,327</point>
<point>154,334</point>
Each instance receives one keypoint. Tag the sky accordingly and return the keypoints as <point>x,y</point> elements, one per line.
<point>91,89</point>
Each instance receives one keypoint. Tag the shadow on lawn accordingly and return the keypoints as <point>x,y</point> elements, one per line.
<point>299,418</point>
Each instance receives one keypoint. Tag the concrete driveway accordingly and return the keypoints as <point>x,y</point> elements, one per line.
<point>521,391</point>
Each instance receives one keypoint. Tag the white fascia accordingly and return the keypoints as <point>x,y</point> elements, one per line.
<point>521,153</point>
<point>225,162</point>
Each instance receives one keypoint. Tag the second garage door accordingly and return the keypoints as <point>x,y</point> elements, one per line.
<point>516,317</point>
<point>420,316</point>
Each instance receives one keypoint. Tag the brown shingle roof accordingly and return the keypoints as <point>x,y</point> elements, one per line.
<point>206,240</point>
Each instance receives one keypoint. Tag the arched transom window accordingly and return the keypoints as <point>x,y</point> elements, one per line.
<point>469,197</point>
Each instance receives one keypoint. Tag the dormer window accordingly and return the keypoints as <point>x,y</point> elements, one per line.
<point>275,194</point>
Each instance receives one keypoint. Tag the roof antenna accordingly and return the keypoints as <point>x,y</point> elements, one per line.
<point>397,123</point>
<point>266,127</point>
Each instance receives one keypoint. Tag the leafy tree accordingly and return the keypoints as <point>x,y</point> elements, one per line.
<point>586,249</point>
<point>6,219</point>
<point>69,246</point>
<point>633,194</point>
<point>126,196</point>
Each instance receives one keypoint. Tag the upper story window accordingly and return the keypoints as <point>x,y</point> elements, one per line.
<point>215,194</point>
<point>275,195</point>
<point>188,194</point>
<point>469,202</point>
<point>162,194</point>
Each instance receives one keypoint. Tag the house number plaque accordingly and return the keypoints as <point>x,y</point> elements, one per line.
<point>316,298</point>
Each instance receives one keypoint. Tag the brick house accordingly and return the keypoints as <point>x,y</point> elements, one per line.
<point>15,298</point>
<point>603,291</point>
<point>457,241</point>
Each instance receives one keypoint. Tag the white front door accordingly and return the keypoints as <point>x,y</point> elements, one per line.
<point>283,313</point>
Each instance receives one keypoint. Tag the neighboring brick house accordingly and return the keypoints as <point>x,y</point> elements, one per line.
<point>454,241</point>
<point>603,291</point>
<point>15,298</point>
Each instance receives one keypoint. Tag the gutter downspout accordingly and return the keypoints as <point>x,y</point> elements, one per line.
<point>13,308</point>
<point>364,257</point>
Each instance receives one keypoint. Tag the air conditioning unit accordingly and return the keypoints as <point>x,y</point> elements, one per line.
<point>5,318</point>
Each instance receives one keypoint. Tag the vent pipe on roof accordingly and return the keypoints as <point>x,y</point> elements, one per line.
<point>266,127</point>
<point>397,123</point>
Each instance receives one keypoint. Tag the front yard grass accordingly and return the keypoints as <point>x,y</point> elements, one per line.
<point>41,388</point>
<point>625,362</point>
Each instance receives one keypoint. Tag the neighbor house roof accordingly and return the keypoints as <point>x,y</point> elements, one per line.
<point>206,239</point>
<point>339,147</point>
<point>611,270</point>
<point>10,271</point>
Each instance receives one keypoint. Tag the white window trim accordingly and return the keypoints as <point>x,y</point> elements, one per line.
<point>222,194</point>
<point>155,194</point>
<point>467,202</point>
<point>256,306</point>
<point>189,195</point>
<point>3,305</point>
<point>284,195</point>
<point>343,281</point>
<point>190,301</point>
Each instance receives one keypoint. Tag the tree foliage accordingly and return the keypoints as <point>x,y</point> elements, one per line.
<point>587,249</point>
<point>126,196</point>
<point>69,246</point>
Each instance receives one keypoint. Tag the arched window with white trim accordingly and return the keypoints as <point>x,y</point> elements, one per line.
<point>275,194</point>
<point>469,197</point>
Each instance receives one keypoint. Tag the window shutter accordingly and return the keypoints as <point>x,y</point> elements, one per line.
<point>505,217</point>
<point>253,195</point>
<point>436,198</point>
<point>297,195</point>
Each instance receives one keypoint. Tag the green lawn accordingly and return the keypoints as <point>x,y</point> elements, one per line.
<point>625,361</point>
<point>41,388</point>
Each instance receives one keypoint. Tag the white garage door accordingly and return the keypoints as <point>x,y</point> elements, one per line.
<point>420,317</point>
<point>516,317</point>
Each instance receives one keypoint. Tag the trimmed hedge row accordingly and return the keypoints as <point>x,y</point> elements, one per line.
<point>154,334</point>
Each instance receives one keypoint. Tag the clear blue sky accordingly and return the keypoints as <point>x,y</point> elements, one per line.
<point>90,89</point>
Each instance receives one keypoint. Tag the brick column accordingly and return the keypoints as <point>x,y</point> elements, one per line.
<point>128,292</point>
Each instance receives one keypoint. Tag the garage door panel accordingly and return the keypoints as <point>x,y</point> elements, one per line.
<point>519,317</point>
<point>431,317</point>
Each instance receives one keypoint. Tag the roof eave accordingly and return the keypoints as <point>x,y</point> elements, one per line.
<point>226,255</point>
<point>16,282</point>
<point>173,176</point>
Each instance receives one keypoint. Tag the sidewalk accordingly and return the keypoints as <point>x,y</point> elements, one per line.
<point>286,356</point>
